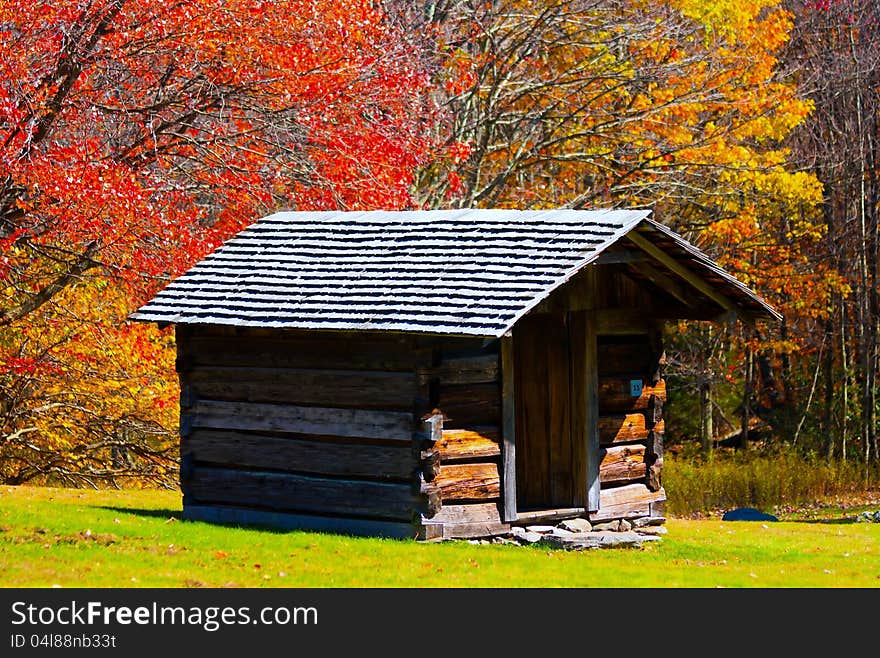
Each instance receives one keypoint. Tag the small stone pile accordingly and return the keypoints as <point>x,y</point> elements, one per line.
<point>580,534</point>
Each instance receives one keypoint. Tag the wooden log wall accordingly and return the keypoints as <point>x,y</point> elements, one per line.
<point>465,387</point>
<point>632,392</point>
<point>309,430</point>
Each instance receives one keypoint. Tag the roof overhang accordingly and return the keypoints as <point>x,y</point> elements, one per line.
<point>464,272</point>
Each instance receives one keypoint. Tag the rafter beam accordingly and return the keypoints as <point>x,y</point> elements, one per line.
<point>692,279</point>
<point>664,282</point>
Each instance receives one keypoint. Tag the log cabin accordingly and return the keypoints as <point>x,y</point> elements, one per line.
<point>433,374</point>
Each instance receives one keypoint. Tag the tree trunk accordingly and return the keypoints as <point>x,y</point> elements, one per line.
<point>706,430</point>
<point>828,367</point>
<point>747,402</point>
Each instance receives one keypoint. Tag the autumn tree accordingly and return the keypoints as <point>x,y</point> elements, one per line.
<point>679,105</point>
<point>134,137</point>
<point>835,54</point>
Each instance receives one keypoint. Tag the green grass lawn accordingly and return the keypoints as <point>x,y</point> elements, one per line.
<point>134,538</point>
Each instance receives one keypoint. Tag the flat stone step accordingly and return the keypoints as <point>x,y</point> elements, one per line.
<point>580,541</point>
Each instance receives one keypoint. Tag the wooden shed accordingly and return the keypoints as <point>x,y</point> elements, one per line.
<point>433,373</point>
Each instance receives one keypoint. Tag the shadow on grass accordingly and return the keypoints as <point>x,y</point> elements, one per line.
<point>830,521</point>
<point>137,511</point>
<point>177,515</point>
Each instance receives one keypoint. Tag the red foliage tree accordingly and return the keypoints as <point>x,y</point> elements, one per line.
<point>135,135</point>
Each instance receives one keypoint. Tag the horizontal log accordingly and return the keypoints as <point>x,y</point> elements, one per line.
<point>470,404</point>
<point>467,513</point>
<point>323,421</point>
<point>625,357</point>
<point>322,457</point>
<point>629,494</point>
<point>480,529</point>
<point>468,370</point>
<point>362,389</point>
<point>622,463</point>
<point>477,443</point>
<point>617,429</point>
<point>614,394</point>
<point>278,351</point>
<point>242,516</point>
<point>303,493</point>
<point>469,482</point>
<point>549,515</point>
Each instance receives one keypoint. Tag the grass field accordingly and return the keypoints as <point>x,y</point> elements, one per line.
<point>134,538</point>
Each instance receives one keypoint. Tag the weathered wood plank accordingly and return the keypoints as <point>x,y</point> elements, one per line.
<point>558,394</point>
<point>303,493</point>
<point>619,429</point>
<point>372,354</point>
<point>481,481</point>
<point>465,405</point>
<point>623,463</point>
<point>480,369</point>
<point>532,376</point>
<point>241,516</point>
<point>361,389</point>
<point>508,429</point>
<point>324,421</point>
<point>467,513</point>
<point>615,396</point>
<point>316,456</point>
<point>476,443</point>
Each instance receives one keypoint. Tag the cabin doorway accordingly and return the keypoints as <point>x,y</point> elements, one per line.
<point>551,424</point>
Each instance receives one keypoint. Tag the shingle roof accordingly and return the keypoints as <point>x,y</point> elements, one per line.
<point>470,272</point>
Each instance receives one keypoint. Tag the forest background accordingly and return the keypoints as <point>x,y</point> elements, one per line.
<point>136,135</point>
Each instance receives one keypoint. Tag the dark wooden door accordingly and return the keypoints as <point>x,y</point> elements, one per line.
<point>550,425</point>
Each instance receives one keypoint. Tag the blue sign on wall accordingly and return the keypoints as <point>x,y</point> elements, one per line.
<point>635,387</point>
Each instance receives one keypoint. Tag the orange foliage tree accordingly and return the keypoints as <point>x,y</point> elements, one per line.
<point>679,105</point>
<point>134,137</point>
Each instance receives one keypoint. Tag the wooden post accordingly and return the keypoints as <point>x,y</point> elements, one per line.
<point>591,386</point>
<point>508,449</point>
